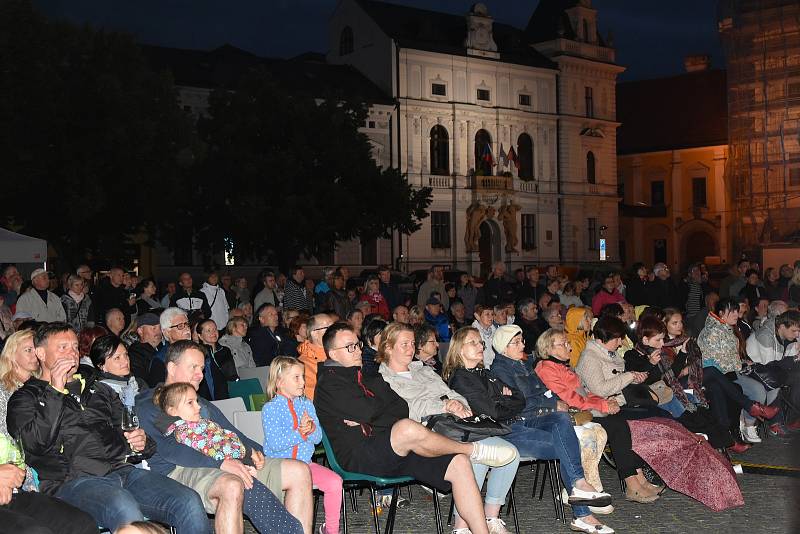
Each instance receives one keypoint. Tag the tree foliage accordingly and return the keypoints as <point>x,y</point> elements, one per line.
<point>90,138</point>
<point>289,174</point>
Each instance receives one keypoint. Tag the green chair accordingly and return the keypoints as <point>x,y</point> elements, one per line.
<point>257,401</point>
<point>244,388</point>
<point>352,481</point>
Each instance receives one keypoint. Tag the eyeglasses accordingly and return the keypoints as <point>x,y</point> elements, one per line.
<point>564,344</point>
<point>481,343</point>
<point>351,347</point>
<point>180,326</point>
<point>322,328</point>
<point>517,342</point>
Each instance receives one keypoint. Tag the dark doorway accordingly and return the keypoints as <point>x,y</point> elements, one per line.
<point>485,248</point>
<point>659,250</point>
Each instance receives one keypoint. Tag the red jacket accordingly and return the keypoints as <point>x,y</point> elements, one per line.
<point>603,297</point>
<point>377,304</point>
<point>563,381</point>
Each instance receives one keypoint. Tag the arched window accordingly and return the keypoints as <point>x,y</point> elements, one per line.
<point>590,168</point>
<point>483,153</point>
<point>440,151</point>
<point>346,41</point>
<point>525,155</point>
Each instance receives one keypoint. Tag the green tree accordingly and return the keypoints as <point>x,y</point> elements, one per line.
<point>289,174</point>
<point>92,140</point>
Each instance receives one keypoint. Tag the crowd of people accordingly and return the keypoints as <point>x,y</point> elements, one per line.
<point>562,363</point>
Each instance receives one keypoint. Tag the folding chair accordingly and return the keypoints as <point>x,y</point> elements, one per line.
<point>257,401</point>
<point>228,407</point>
<point>249,423</point>
<point>261,373</point>
<point>244,388</point>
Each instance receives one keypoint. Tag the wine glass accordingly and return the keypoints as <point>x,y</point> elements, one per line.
<point>130,422</point>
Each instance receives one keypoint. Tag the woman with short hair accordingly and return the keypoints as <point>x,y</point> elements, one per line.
<point>235,332</point>
<point>76,303</point>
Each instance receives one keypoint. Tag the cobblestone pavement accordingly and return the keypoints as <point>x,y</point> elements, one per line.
<point>770,502</point>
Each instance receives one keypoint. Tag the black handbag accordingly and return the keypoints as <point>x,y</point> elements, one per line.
<point>768,375</point>
<point>468,429</point>
<point>638,395</point>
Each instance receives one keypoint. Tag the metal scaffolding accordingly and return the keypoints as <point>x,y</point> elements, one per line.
<point>762,46</point>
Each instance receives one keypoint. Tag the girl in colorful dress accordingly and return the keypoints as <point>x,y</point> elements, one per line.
<point>291,430</point>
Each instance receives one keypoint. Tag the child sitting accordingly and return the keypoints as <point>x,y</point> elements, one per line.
<point>181,417</point>
<point>291,430</point>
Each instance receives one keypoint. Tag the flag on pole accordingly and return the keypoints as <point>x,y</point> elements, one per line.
<point>512,156</point>
<point>502,158</point>
<point>487,155</point>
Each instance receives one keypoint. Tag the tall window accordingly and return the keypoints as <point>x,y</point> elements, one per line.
<point>699,193</point>
<point>528,231</point>
<point>657,193</point>
<point>590,168</point>
<point>594,240</point>
<point>440,151</point>
<point>588,96</point>
<point>794,177</point>
<point>440,229</point>
<point>369,251</point>
<point>483,153</point>
<point>346,41</point>
<point>525,155</point>
<point>586,30</point>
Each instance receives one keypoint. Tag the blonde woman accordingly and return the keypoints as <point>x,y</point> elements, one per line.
<point>539,427</point>
<point>292,429</point>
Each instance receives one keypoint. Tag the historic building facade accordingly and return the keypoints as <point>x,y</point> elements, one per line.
<point>514,130</point>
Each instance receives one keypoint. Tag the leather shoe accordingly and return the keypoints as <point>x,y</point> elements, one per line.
<point>738,447</point>
<point>776,430</point>
<point>793,426</point>
<point>763,412</point>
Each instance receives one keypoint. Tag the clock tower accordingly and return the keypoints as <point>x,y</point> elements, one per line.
<point>479,41</point>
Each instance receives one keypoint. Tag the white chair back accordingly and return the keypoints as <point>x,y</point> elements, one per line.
<point>230,406</point>
<point>249,424</point>
<point>261,373</point>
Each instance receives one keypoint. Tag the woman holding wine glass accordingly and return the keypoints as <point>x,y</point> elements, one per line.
<point>22,508</point>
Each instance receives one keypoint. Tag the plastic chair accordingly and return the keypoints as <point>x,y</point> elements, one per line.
<point>249,424</point>
<point>261,373</point>
<point>257,401</point>
<point>228,407</point>
<point>244,388</point>
<point>352,481</point>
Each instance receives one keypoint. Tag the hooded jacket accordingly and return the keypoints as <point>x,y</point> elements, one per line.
<point>763,345</point>
<point>311,355</point>
<point>577,338</point>
<point>72,433</point>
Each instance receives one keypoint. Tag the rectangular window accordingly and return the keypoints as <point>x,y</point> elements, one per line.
<point>369,251</point>
<point>657,193</point>
<point>371,124</point>
<point>484,94</point>
<point>793,89</point>
<point>594,240</point>
<point>589,101</point>
<point>440,229</point>
<point>699,193</point>
<point>438,89</point>
<point>524,100</point>
<point>794,177</point>
<point>528,231</point>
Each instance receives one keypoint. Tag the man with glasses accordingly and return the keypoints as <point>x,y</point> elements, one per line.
<point>311,351</point>
<point>175,327</point>
<point>369,429</point>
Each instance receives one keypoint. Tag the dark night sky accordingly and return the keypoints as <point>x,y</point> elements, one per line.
<point>651,36</point>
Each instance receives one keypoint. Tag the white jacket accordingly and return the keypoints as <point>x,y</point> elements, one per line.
<point>32,303</point>
<point>218,303</point>
<point>763,346</point>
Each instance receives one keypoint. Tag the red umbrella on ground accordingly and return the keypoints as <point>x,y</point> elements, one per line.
<point>686,462</point>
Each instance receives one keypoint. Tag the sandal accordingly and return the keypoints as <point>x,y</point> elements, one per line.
<point>579,525</point>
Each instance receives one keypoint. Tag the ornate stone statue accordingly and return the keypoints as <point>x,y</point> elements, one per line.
<point>508,216</point>
<point>476,214</point>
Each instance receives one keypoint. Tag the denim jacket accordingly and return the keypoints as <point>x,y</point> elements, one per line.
<point>519,374</point>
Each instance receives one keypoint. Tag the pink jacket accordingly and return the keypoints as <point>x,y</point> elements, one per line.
<point>563,381</point>
<point>603,297</point>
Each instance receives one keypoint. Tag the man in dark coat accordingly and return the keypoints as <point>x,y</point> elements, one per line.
<point>72,437</point>
<point>497,289</point>
<point>189,299</point>
<point>111,293</point>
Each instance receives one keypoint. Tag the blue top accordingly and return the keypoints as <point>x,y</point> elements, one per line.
<point>520,375</point>
<point>170,453</point>
<point>280,436</point>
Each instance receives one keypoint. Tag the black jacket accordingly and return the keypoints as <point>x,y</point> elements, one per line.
<point>68,436</point>
<point>266,344</point>
<point>336,301</point>
<point>223,370</point>
<point>191,302</point>
<point>663,294</point>
<point>338,396</point>
<point>637,291</point>
<point>497,290</point>
<point>528,291</point>
<point>141,355</point>
<point>107,297</point>
<point>484,393</point>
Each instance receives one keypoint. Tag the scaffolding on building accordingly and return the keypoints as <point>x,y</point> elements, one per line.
<point>761,39</point>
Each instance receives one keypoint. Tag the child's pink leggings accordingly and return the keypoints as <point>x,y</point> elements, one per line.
<point>330,484</point>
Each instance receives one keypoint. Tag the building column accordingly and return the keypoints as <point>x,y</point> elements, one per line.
<point>678,207</point>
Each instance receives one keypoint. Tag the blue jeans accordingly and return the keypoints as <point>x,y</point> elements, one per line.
<point>551,437</point>
<point>500,478</point>
<point>674,407</point>
<point>129,494</point>
<point>756,392</point>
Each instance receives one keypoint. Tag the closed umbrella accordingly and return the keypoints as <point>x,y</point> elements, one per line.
<point>686,462</point>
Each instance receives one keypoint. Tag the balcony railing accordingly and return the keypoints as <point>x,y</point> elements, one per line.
<point>495,183</point>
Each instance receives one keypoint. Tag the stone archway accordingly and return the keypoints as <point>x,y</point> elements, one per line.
<point>489,245</point>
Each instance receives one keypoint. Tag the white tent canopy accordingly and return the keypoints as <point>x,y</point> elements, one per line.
<point>18,248</point>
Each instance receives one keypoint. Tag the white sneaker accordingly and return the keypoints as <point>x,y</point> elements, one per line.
<point>492,455</point>
<point>496,525</point>
<point>750,434</point>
